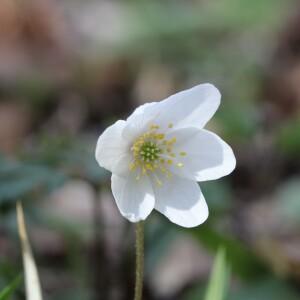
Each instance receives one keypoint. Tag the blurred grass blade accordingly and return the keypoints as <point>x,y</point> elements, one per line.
<point>7,292</point>
<point>218,282</point>
<point>32,282</point>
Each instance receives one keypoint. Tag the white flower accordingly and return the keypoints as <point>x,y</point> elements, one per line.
<point>160,152</point>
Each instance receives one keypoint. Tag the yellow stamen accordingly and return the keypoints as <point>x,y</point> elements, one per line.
<point>160,136</point>
<point>153,153</point>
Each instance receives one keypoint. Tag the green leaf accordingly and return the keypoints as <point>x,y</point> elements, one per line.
<point>7,291</point>
<point>218,282</point>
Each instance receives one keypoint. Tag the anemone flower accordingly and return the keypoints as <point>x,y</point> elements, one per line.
<point>161,151</point>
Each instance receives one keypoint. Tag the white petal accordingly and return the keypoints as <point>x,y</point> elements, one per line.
<point>134,199</point>
<point>207,157</point>
<point>141,110</point>
<point>113,151</point>
<point>138,122</point>
<point>181,201</point>
<point>190,108</point>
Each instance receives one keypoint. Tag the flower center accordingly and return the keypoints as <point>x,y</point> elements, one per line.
<point>153,152</point>
<point>149,151</point>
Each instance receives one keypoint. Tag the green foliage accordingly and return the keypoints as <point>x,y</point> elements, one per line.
<point>239,123</point>
<point>219,196</point>
<point>7,292</point>
<point>159,237</point>
<point>217,287</point>
<point>242,261</point>
<point>19,180</point>
<point>288,138</point>
<point>288,201</point>
<point>153,18</point>
<point>74,157</point>
<point>81,161</point>
<point>268,288</point>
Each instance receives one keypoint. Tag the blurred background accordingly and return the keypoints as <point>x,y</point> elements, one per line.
<point>70,68</point>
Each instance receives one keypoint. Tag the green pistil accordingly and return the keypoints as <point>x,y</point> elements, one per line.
<point>149,152</point>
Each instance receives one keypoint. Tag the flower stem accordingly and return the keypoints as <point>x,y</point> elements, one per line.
<point>139,268</point>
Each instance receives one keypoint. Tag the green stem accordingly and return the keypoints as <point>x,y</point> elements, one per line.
<point>139,268</point>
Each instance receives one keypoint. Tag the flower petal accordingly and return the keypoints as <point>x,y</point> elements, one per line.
<point>139,121</point>
<point>190,108</point>
<point>181,201</point>
<point>112,151</point>
<point>141,110</point>
<point>207,156</point>
<point>135,199</point>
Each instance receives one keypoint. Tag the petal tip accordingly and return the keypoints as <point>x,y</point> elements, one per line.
<point>200,221</point>
<point>213,90</point>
